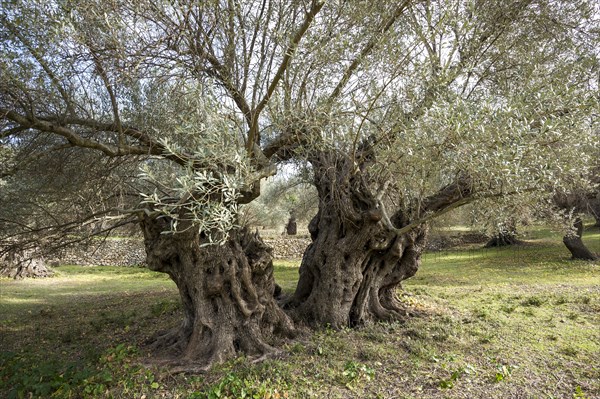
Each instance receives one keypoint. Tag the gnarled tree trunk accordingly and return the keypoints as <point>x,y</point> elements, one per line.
<point>575,244</point>
<point>503,239</point>
<point>351,271</point>
<point>506,235</point>
<point>226,292</point>
<point>22,264</point>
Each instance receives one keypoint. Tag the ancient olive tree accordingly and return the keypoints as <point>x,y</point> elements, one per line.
<point>403,110</point>
<point>452,102</point>
<point>178,89</point>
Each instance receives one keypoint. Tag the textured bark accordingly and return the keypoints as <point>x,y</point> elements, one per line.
<point>595,209</point>
<point>292,226</point>
<point>18,264</point>
<point>575,244</point>
<point>226,292</point>
<point>351,271</point>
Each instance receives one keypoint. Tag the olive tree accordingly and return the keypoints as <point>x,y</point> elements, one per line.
<point>450,104</point>
<point>572,203</point>
<point>403,110</point>
<point>178,89</point>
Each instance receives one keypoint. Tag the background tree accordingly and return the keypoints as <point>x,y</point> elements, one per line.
<point>505,235</point>
<point>574,203</point>
<point>279,197</point>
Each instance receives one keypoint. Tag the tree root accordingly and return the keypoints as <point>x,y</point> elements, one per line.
<point>169,341</point>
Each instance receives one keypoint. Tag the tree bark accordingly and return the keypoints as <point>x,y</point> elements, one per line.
<point>291,227</point>
<point>503,239</point>
<point>226,293</point>
<point>18,265</point>
<point>594,206</point>
<point>575,245</point>
<point>351,271</point>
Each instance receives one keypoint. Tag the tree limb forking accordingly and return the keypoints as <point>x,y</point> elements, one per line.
<point>13,29</point>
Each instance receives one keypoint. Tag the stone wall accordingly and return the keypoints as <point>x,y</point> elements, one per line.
<point>288,247</point>
<point>109,252</point>
<point>130,251</point>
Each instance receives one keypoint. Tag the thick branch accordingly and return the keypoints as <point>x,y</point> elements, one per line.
<point>450,197</point>
<point>454,192</point>
<point>51,125</point>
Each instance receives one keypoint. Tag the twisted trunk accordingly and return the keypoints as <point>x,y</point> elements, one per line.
<point>575,245</point>
<point>595,209</point>
<point>226,292</point>
<point>23,264</point>
<point>351,271</point>
<point>503,239</point>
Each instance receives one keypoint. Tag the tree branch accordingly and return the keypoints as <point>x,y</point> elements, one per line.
<point>53,126</point>
<point>40,61</point>
<point>289,53</point>
<point>367,49</point>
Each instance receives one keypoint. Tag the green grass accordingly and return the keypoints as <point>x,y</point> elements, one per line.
<point>507,323</point>
<point>286,274</point>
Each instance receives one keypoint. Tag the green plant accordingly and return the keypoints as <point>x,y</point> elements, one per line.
<point>508,308</point>
<point>561,300</point>
<point>164,307</point>
<point>503,372</point>
<point>569,351</point>
<point>32,376</point>
<point>572,316</point>
<point>238,386</point>
<point>533,301</point>
<point>579,394</point>
<point>355,371</point>
<point>455,375</point>
<point>586,300</point>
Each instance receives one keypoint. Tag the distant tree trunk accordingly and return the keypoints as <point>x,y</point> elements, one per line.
<point>292,226</point>
<point>19,264</point>
<point>575,245</point>
<point>226,292</point>
<point>506,235</point>
<point>503,239</point>
<point>595,209</point>
<point>351,271</point>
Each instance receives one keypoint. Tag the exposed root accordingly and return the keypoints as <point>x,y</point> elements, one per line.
<point>166,341</point>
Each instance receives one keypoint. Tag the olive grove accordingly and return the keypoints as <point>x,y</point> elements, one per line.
<point>169,114</point>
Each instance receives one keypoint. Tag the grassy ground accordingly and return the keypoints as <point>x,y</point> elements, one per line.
<point>512,323</point>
